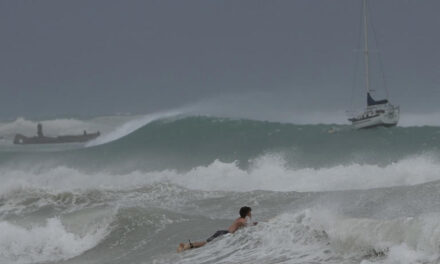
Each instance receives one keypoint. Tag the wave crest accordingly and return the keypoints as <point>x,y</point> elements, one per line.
<point>269,172</point>
<point>50,242</point>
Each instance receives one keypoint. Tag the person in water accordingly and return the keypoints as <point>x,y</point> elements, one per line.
<point>240,222</point>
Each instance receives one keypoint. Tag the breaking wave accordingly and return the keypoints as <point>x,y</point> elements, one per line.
<point>130,126</point>
<point>268,172</point>
<point>51,241</point>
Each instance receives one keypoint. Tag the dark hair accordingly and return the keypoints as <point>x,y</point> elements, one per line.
<point>244,211</point>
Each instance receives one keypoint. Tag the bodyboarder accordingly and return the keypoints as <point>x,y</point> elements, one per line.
<point>245,212</point>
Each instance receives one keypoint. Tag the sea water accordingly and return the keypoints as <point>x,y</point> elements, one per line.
<point>321,193</point>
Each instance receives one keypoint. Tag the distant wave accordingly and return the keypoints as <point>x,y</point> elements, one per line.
<point>170,140</point>
<point>115,127</point>
<point>130,126</point>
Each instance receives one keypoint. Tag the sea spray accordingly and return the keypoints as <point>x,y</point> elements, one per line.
<point>49,242</point>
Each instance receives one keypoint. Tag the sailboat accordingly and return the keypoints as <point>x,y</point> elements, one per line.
<point>377,112</point>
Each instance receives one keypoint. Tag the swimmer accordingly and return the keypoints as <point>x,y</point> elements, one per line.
<point>237,224</point>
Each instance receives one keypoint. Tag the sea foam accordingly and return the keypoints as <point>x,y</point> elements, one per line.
<point>324,237</point>
<point>49,242</point>
<point>269,172</point>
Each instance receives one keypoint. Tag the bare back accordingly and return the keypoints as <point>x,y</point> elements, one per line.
<point>238,223</point>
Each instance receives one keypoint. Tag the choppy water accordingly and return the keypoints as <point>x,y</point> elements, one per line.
<point>322,193</point>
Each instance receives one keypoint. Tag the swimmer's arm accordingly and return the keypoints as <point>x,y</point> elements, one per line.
<point>251,224</point>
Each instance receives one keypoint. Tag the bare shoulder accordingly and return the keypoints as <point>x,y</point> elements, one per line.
<point>240,221</point>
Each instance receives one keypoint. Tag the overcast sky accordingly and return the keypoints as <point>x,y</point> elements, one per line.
<point>64,58</point>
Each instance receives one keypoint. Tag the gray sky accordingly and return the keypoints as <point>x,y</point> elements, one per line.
<point>105,57</point>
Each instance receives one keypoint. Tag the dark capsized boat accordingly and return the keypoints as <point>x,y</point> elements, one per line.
<point>41,139</point>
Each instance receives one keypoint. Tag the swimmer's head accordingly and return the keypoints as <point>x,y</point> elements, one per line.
<point>245,211</point>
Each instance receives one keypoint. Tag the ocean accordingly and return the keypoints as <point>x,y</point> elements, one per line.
<point>321,193</point>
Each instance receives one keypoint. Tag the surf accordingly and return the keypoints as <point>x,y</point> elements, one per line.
<point>328,193</point>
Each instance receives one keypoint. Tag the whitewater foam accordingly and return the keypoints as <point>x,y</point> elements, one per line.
<point>322,236</point>
<point>50,242</point>
<point>287,238</point>
<point>401,240</point>
<point>268,172</point>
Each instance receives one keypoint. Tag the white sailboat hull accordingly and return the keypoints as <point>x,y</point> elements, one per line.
<point>387,116</point>
<point>378,112</point>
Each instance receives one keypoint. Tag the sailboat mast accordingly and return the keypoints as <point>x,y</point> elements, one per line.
<point>367,77</point>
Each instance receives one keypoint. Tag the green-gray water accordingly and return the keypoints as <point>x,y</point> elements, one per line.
<point>322,193</point>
